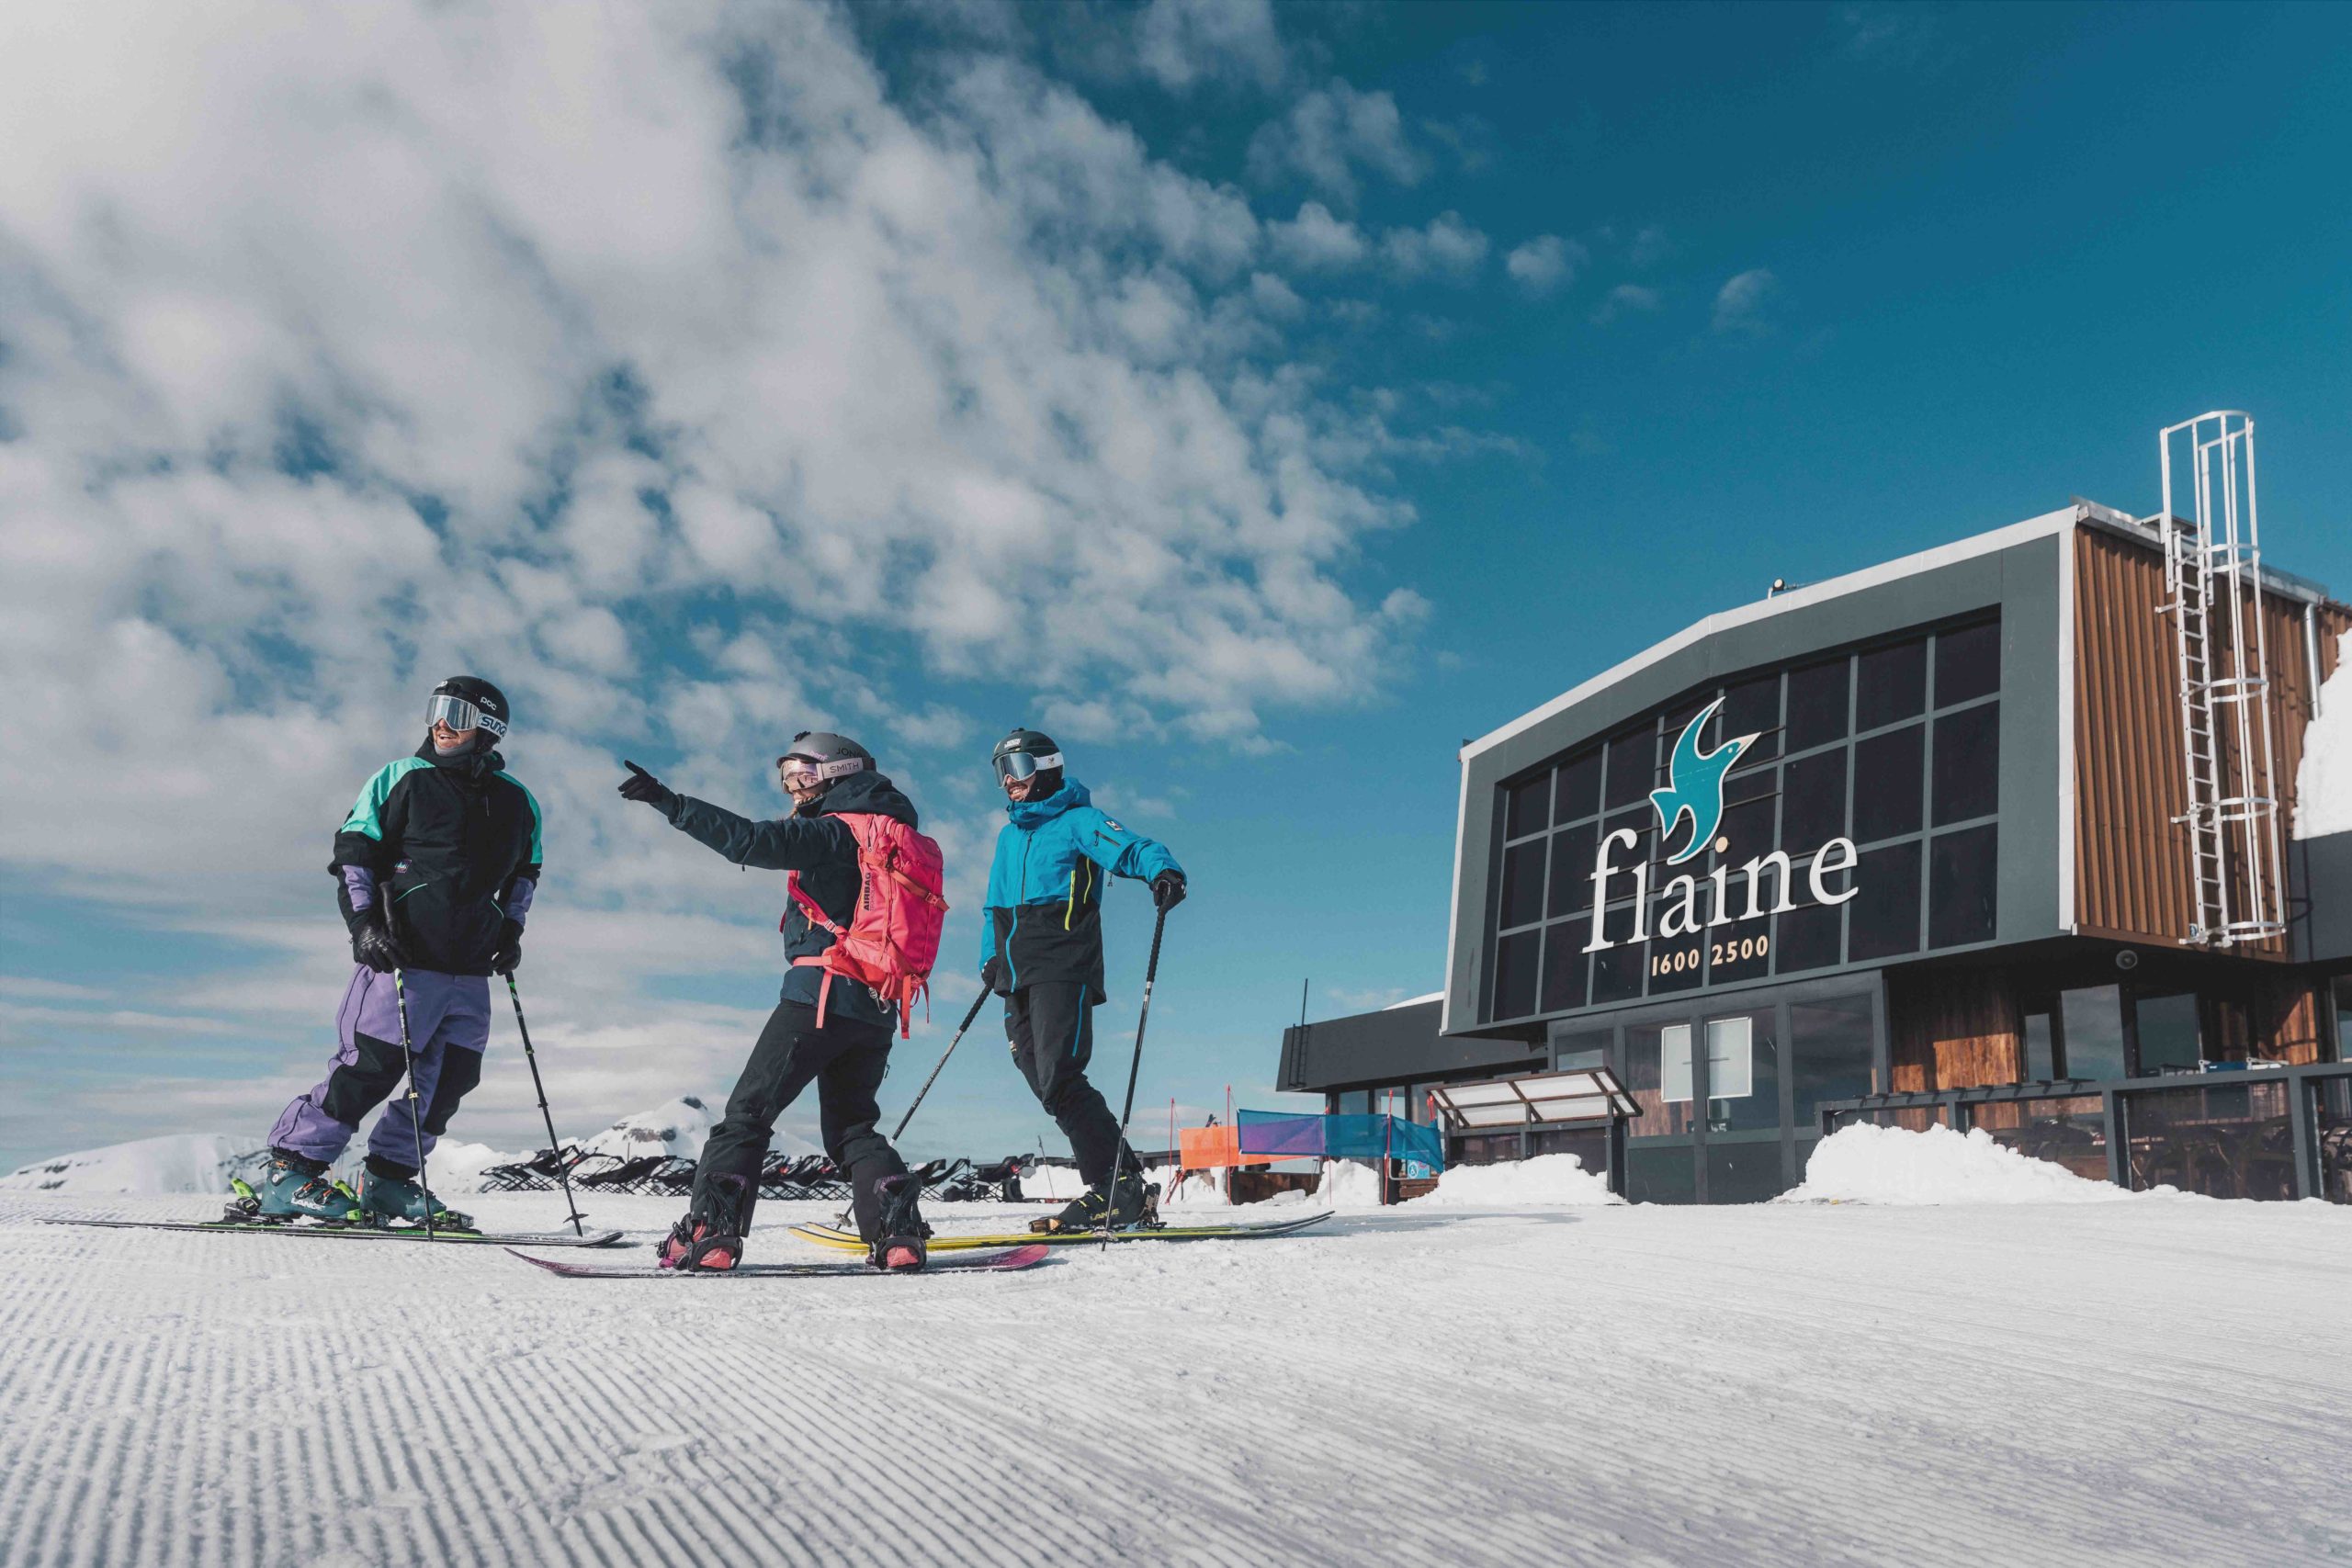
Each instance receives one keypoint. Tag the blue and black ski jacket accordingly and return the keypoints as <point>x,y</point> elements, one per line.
<point>1044,903</point>
<point>450,846</point>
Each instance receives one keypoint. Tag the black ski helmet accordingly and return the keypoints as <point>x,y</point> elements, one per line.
<point>831,757</point>
<point>473,700</point>
<point>1025,752</point>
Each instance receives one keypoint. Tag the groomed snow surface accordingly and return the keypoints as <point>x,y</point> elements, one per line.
<point>1521,1374</point>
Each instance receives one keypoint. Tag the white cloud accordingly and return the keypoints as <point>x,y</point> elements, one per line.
<point>1739,302</point>
<point>1179,43</point>
<point>1625,300</point>
<point>1316,239</point>
<point>1544,263</point>
<point>651,361</point>
<point>1447,248</point>
<point>1327,134</point>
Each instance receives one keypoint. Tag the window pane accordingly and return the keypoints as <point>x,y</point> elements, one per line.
<point>1968,663</point>
<point>1829,1053</point>
<point>2040,1057</point>
<point>1661,1176</point>
<point>1572,869</point>
<point>1886,909</point>
<point>1563,966</point>
<point>1742,950</point>
<point>1813,801</point>
<point>1677,963</point>
<point>1816,705</point>
<point>1645,1056</point>
<point>1523,884</point>
<point>1960,886</point>
<point>1529,807</point>
<point>1583,1048</point>
<point>1743,1074</point>
<point>2091,1024</point>
<point>1616,970</point>
<point>1752,708</point>
<point>1887,777</point>
<point>1674,1064</point>
<point>1515,974</point>
<point>1968,764</point>
<point>1890,684</point>
<point>1577,792</point>
<point>1743,1173</point>
<point>1746,830</point>
<point>1633,767</point>
<point>1807,938</point>
<point>1625,858</point>
<point>2167,1032</point>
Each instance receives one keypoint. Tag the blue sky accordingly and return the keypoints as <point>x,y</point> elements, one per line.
<point>1262,401</point>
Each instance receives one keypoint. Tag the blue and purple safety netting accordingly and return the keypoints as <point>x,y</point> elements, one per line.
<point>1286,1135</point>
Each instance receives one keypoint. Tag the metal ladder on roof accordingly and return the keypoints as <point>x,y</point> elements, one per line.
<point>2213,584</point>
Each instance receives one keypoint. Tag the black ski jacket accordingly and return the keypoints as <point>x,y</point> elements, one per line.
<point>449,850</point>
<point>824,853</point>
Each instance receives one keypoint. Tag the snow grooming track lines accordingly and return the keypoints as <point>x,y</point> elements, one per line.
<point>1011,1261</point>
<point>365,1233</point>
<point>847,1241</point>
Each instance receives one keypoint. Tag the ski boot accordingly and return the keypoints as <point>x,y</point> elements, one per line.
<point>695,1247</point>
<point>389,1194</point>
<point>1133,1205</point>
<point>292,1190</point>
<point>900,1246</point>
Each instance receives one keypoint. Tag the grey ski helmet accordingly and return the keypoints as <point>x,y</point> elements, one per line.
<point>827,756</point>
<point>1025,752</point>
<point>469,701</point>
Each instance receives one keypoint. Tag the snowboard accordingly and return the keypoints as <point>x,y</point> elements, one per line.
<point>363,1233</point>
<point>847,1241</point>
<point>1002,1262</point>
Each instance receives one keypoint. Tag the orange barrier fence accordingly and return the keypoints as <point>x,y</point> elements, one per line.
<point>1207,1148</point>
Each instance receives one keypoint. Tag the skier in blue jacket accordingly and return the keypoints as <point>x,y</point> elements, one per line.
<point>1043,952</point>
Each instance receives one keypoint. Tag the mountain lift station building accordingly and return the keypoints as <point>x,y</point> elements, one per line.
<point>2003,835</point>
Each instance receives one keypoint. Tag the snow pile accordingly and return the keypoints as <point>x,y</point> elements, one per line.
<point>457,1167</point>
<point>179,1162</point>
<point>1349,1184</point>
<point>1862,1164</point>
<point>1182,1189</point>
<point>678,1128</point>
<point>1050,1183</point>
<point>1546,1181</point>
<point>2323,782</point>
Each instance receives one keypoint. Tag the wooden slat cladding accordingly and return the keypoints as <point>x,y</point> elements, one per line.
<point>2131,874</point>
<point>1952,1029</point>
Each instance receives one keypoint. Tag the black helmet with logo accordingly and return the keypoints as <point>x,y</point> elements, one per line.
<point>822,756</point>
<point>469,701</point>
<point>1025,752</point>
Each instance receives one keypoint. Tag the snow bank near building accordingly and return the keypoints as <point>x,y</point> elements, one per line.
<point>179,1162</point>
<point>1862,1164</point>
<point>1051,1184</point>
<point>678,1128</point>
<point>455,1167</point>
<point>2323,781</point>
<point>1547,1182</point>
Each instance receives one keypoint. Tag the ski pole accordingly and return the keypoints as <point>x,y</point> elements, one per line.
<point>910,1116</point>
<point>1150,972</point>
<point>415,1105</point>
<point>563,1174</point>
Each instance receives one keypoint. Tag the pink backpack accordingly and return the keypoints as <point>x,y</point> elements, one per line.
<point>892,939</point>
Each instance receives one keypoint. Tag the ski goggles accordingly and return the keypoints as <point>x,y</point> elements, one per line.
<point>1024,764</point>
<point>790,770</point>
<point>461,715</point>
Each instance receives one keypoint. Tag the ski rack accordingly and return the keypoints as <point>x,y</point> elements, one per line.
<point>2214,585</point>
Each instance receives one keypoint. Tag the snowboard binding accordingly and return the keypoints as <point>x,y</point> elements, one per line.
<point>899,1245</point>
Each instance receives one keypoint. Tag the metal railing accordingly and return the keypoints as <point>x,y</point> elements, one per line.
<point>2260,1131</point>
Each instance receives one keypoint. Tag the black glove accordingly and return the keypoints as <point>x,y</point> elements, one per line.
<point>509,951</point>
<point>373,945</point>
<point>1167,890</point>
<point>992,975</point>
<point>643,786</point>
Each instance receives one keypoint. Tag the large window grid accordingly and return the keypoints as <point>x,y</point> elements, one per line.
<point>1894,744</point>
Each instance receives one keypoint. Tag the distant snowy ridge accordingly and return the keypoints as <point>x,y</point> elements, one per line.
<point>678,1128</point>
<point>178,1162</point>
<point>2323,781</point>
<point>1862,1164</point>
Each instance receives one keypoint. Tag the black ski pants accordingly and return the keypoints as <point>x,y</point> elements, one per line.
<point>1051,1026</point>
<point>846,1060</point>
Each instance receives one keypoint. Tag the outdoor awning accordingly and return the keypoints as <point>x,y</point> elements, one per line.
<point>1580,1094</point>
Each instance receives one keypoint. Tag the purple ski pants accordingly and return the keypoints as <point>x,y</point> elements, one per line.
<point>448,1026</point>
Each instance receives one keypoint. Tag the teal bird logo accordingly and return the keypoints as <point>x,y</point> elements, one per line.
<point>1695,786</point>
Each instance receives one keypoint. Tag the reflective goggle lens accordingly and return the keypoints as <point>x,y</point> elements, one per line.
<point>808,771</point>
<point>1023,764</point>
<point>455,712</point>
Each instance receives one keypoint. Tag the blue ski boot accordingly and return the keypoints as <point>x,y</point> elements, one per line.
<point>292,1190</point>
<point>386,1197</point>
